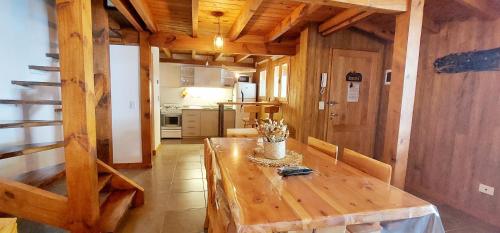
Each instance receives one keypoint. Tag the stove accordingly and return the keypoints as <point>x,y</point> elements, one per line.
<point>171,121</point>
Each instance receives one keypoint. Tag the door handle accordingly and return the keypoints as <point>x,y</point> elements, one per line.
<point>332,103</point>
<point>333,115</point>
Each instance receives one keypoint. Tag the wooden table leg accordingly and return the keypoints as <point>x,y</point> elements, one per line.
<point>221,120</point>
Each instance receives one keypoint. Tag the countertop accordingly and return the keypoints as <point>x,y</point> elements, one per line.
<point>206,108</point>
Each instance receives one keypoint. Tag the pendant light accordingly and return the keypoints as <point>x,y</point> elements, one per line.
<point>218,39</point>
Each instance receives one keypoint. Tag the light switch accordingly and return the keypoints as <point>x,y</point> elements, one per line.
<point>321,105</point>
<point>131,105</point>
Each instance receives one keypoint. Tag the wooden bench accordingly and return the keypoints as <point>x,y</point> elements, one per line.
<point>242,133</point>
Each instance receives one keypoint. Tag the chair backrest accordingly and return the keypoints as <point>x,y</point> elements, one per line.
<point>253,110</point>
<point>323,146</point>
<point>368,165</point>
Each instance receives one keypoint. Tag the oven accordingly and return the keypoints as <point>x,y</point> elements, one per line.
<point>171,125</point>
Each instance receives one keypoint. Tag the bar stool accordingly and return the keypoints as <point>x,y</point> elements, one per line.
<point>251,120</point>
<point>271,110</point>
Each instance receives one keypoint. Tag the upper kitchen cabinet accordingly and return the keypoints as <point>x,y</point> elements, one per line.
<point>187,77</point>
<point>207,77</point>
<point>171,74</point>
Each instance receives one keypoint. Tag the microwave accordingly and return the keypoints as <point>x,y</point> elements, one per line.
<point>244,78</point>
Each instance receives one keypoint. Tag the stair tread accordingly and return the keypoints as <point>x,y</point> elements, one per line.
<point>114,208</point>
<point>102,180</point>
<point>52,55</point>
<point>18,150</point>
<point>44,68</point>
<point>27,123</point>
<point>42,102</point>
<point>43,176</point>
<point>35,83</point>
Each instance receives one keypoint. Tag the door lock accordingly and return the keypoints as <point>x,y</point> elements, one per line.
<point>331,103</point>
<point>333,115</point>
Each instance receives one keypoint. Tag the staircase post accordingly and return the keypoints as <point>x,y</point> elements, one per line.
<point>78,102</point>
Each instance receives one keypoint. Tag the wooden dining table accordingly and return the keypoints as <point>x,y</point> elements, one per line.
<point>334,195</point>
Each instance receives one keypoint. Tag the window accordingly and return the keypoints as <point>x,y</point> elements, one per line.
<point>262,83</point>
<point>284,80</point>
<point>276,83</point>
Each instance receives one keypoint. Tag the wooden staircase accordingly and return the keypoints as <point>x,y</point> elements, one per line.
<point>28,195</point>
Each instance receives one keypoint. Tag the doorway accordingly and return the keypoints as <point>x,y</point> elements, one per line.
<point>353,99</point>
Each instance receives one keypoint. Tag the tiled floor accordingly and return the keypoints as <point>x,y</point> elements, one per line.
<point>176,196</point>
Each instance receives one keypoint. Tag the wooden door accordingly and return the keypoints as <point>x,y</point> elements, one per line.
<point>352,123</point>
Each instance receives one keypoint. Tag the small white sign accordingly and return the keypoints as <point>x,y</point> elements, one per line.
<point>353,92</point>
<point>321,105</point>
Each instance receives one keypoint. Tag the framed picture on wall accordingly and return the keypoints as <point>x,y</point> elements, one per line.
<point>387,77</point>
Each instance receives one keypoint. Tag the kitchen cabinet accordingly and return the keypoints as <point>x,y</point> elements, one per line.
<point>187,78</point>
<point>207,77</point>
<point>205,122</point>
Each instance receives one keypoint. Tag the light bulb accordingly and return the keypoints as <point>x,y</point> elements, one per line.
<point>218,42</point>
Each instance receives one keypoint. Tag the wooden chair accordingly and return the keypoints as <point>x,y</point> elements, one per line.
<point>368,165</point>
<point>252,111</point>
<point>323,146</point>
<point>374,168</point>
<point>271,110</point>
<point>242,133</point>
<point>218,216</point>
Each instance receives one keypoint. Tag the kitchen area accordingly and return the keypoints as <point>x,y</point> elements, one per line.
<point>189,95</point>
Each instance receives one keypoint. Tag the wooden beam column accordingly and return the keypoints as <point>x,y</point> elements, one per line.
<point>102,81</point>
<point>77,77</point>
<point>402,91</point>
<point>145,98</point>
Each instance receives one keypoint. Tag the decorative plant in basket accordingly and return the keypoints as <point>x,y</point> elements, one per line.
<point>274,134</point>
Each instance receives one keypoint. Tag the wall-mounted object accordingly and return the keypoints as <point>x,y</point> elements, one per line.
<point>483,60</point>
<point>387,77</point>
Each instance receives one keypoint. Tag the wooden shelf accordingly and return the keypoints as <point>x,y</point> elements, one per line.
<point>38,102</point>
<point>113,209</point>
<point>32,83</point>
<point>26,124</point>
<point>25,149</point>
<point>45,68</point>
<point>42,177</point>
<point>58,110</point>
<point>52,55</point>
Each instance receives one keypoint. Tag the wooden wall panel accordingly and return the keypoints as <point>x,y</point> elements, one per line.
<point>455,141</point>
<point>311,60</point>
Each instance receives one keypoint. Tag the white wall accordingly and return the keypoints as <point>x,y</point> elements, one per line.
<point>156,96</point>
<point>124,63</point>
<point>28,32</point>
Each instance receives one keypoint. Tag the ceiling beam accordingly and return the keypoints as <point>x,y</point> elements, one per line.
<point>167,52</point>
<point>343,21</point>
<point>125,8</point>
<point>246,13</point>
<point>241,57</point>
<point>380,6</point>
<point>210,63</point>
<point>339,18</point>
<point>374,30</point>
<point>218,56</point>
<point>194,16</point>
<point>481,8</point>
<point>143,10</point>
<point>297,15</point>
<point>205,44</point>
<point>193,54</point>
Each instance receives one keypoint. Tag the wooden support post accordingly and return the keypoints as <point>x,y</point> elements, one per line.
<point>145,98</point>
<point>78,101</point>
<point>102,82</point>
<point>402,91</point>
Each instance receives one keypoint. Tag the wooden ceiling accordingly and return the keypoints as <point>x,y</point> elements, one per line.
<point>275,24</point>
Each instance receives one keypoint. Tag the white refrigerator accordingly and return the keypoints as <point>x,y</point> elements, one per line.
<point>243,92</point>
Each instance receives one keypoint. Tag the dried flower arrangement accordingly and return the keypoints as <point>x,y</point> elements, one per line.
<point>273,131</point>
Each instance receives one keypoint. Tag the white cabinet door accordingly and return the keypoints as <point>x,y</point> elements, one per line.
<point>207,77</point>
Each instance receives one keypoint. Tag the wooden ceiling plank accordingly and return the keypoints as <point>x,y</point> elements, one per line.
<point>297,15</point>
<point>194,15</point>
<point>210,63</point>
<point>375,30</point>
<point>167,52</point>
<point>122,8</point>
<point>240,57</point>
<point>144,11</point>
<point>347,23</point>
<point>245,15</point>
<point>481,8</point>
<point>380,6</point>
<point>205,44</point>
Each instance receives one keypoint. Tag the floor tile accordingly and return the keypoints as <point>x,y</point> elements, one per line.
<point>188,221</point>
<point>192,185</point>
<point>185,201</point>
<point>188,174</point>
